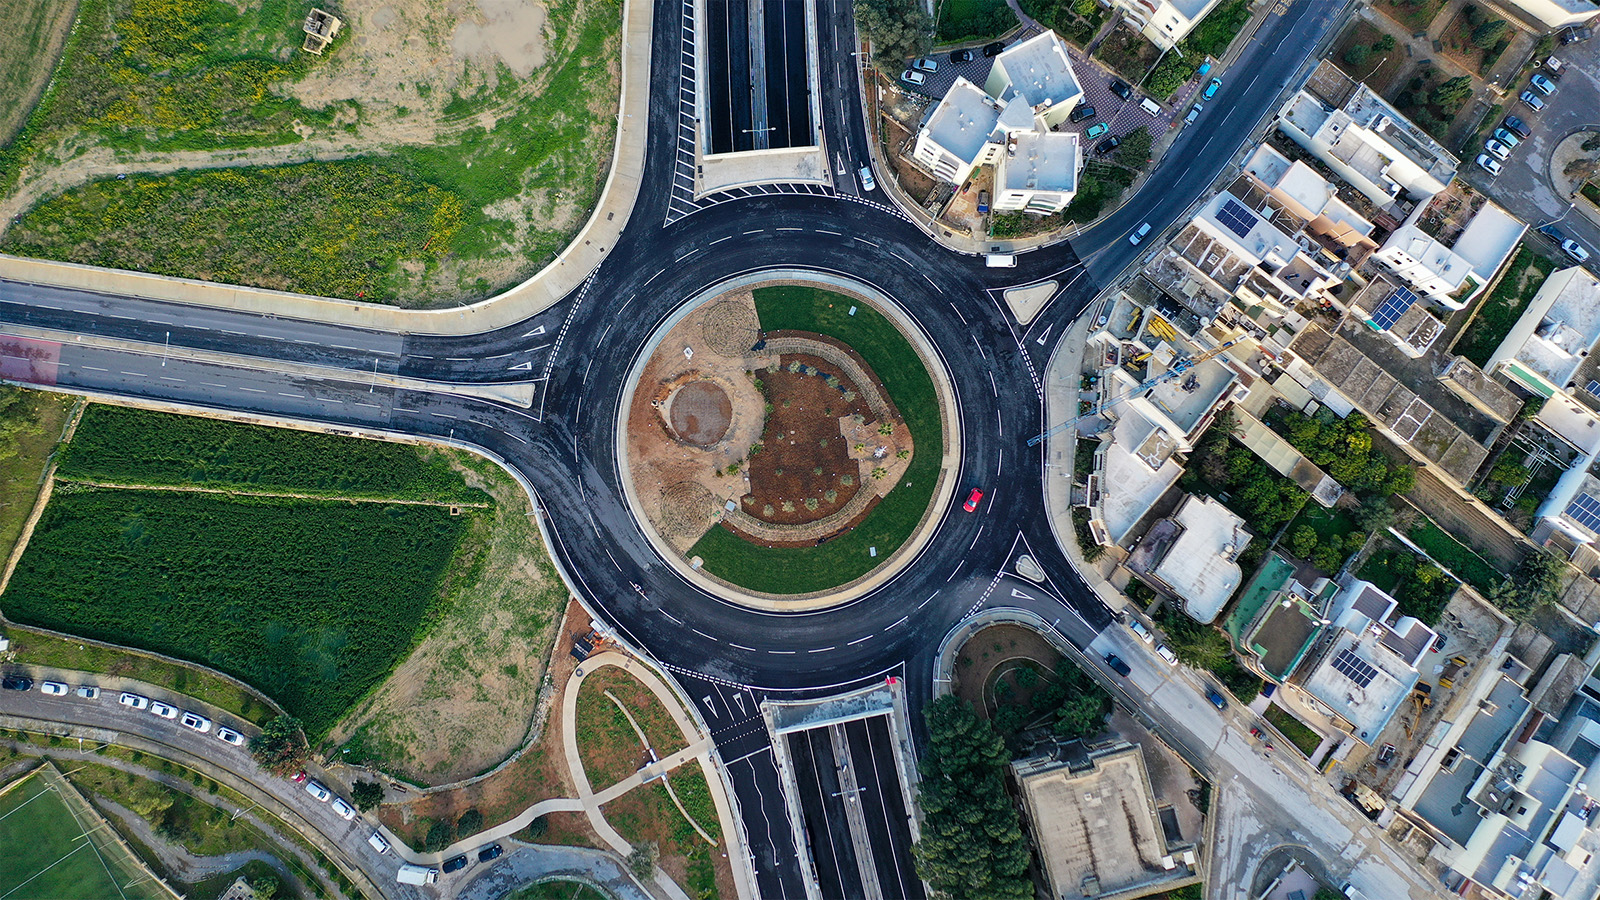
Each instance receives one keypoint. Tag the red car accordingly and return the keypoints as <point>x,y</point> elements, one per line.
<point>972,500</point>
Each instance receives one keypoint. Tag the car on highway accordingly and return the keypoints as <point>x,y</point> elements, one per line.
<point>1165,652</point>
<point>17,683</point>
<point>1532,101</point>
<point>133,701</point>
<point>994,48</point>
<point>911,77</point>
<point>492,851</point>
<point>1115,663</point>
<point>378,842</point>
<point>1517,127</point>
<point>925,64</point>
<point>1488,164</point>
<point>1194,113</point>
<point>229,736</point>
<point>54,689</point>
<point>1121,89</point>
<point>868,183</point>
<point>1542,84</point>
<point>89,692</point>
<point>1215,697</point>
<point>1107,145</point>
<point>972,500</point>
<point>1575,250</point>
<point>1211,89</point>
<point>1096,130</point>
<point>164,710</point>
<point>1079,113</point>
<point>457,863</point>
<point>1137,627</point>
<point>318,790</point>
<point>1138,234</point>
<point>1496,149</point>
<point>195,722</point>
<point>344,810</point>
<point>1506,137</point>
<point>956,56</point>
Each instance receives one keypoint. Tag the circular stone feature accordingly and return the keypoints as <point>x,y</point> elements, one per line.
<point>700,413</point>
<point>686,509</point>
<point>730,328</point>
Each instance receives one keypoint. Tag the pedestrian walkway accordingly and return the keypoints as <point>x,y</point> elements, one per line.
<point>558,279</point>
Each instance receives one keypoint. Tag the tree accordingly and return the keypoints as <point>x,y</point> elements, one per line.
<point>1375,515</point>
<point>1080,716</point>
<point>642,861</point>
<point>898,30</point>
<point>281,746</point>
<point>1450,95</point>
<point>1383,44</point>
<point>1303,542</point>
<point>1135,149</point>
<point>972,844</point>
<point>471,822</point>
<point>1485,36</point>
<point>265,886</point>
<point>366,794</point>
<point>1536,582</point>
<point>1085,7</point>
<point>538,827</point>
<point>440,834</point>
<point>1356,56</point>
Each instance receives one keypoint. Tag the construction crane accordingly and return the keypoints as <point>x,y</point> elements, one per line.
<point>1179,367</point>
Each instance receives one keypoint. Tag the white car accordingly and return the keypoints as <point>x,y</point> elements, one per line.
<point>868,183</point>
<point>1138,235</point>
<point>315,789</point>
<point>1497,149</point>
<point>53,689</point>
<point>1138,628</point>
<point>229,736</point>
<point>1570,247</point>
<point>133,701</point>
<point>925,65</point>
<point>163,710</point>
<point>195,722</point>
<point>1165,652</point>
<point>89,692</point>
<point>912,77</point>
<point>1488,164</point>
<point>345,810</point>
<point>378,843</point>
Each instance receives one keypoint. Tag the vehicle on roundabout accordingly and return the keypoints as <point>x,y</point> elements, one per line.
<point>972,500</point>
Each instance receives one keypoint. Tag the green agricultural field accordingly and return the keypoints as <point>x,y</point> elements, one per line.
<point>45,857</point>
<point>798,570</point>
<point>312,602</point>
<point>31,31</point>
<point>119,445</point>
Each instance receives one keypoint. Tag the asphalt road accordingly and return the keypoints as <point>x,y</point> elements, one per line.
<point>727,657</point>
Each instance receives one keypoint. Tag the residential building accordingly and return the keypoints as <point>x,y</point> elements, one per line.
<point>1394,312</point>
<point>1192,556</point>
<point>1296,188</point>
<point>1096,829</point>
<point>1542,16</point>
<point>1030,89</point>
<point>1368,666</point>
<point>1365,140</point>
<point>1451,271</point>
<point>1164,22</point>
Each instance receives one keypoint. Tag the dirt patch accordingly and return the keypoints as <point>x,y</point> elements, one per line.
<point>996,655</point>
<point>465,698</point>
<point>804,471</point>
<point>700,413</point>
<point>1379,68</point>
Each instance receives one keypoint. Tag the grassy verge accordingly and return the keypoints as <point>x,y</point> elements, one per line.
<point>31,423</point>
<point>1210,38</point>
<point>198,827</point>
<point>1455,556</point>
<point>33,32</point>
<point>647,815</point>
<point>1298,733</point>
<point>607,743</point>
<point>558,890</point>
<point>1503,306</point>
<point>798,570</point>
<point>311,602</point>
<point>133,446</point>
<point>974,20</point>
<point>45,856</point>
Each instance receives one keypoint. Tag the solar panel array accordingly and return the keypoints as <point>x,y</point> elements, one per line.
<point>1392,308</point>
<point>1585,511</point>
<point>1354,668</point>
<point>1238,219</point>
<point>1594,388</point>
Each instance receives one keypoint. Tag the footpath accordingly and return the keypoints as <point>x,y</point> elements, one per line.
<point>558,279</point>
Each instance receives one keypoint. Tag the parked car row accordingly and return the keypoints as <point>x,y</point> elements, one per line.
<point>321,794</point>
<point>190,720</point>
<point>924,66</point>
<point>1568,246</point>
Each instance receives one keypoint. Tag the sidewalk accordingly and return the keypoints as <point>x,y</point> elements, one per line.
<point>555,281</point>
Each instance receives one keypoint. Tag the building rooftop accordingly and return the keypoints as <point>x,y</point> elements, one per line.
<point>1307,193</point>
<point>963,120</point>
<point>1096,829</point>
<point>1194,554</point>
<point>1283,634</point>
<point>1138,469</point>
<point>1193,9</point>
<point>1362,681</point>
<point>1555,333</point>
<point>1375,113</point>
<point>1445,803</point>
<point>1489,240</point>
<point>1035,161</point>
<point>1038,70</point>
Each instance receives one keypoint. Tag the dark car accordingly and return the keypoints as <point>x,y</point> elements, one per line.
<point>1080,113</point>
<point>17,683</point>
<point>960,56</point>
<point>993,49</point>
<point>1107,145</point>
<point>1121,89</point>
<point>1518,127</point>
<point>1117,665</point>
<point>1216,699</point>
<point>492,851</point>
<point>455,863</point>
<point>1554,234</point>
<point>1575,34</point>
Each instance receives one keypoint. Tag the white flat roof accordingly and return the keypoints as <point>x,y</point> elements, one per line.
<point>963,120</point>
<point>1200,563</point>
<point>1041,162</point>
<point>1131,485</point>
<point>1488,239</point>
<point>1558,327</point>
<point>1368,700</point>
<point>1038,70</point>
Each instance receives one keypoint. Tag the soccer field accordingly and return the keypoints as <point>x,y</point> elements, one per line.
<point>47,856</point>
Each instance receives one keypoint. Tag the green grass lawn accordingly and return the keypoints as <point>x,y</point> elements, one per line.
<point>1500,309</point>
<point>311,602</point>
<point>799,570</point>
<point>1295,730</point>
<point>46,859</point>
<point>120,445</point>
<point>31,423</point>
<point>1456,556</point>
<point>974,20</point>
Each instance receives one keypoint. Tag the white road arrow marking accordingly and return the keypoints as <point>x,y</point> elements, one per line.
<point>527,366</point>
<point>536,332</point>
<point>1021,596</point>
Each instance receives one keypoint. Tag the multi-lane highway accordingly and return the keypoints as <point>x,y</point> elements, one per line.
<point>726,656</point>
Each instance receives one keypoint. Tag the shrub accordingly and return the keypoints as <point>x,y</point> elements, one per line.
<point>1384,44</point>
<point>470,823</point>
<point>1450,95</point>
<point>366,794</point>
<point>281,746</point>
<point>1135,150</point>
<point>1356,56</point>
<point>1490,33</point>
<point>440,836</point>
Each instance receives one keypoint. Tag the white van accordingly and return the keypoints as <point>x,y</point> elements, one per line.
<point>410,874</point>
<point>1150,106</point>
<point>378,842</point>
<point>1001,261</point>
